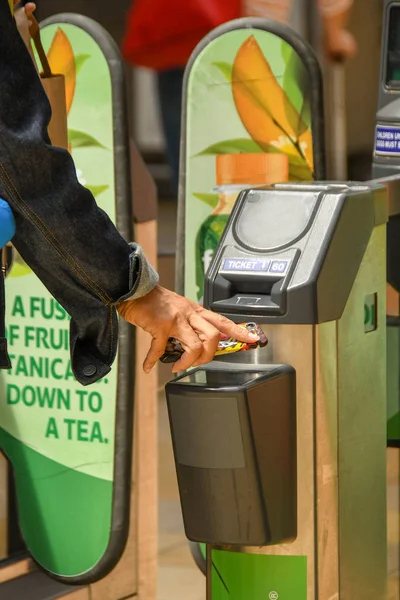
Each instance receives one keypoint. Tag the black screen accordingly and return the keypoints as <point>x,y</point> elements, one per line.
<point>393,51</point>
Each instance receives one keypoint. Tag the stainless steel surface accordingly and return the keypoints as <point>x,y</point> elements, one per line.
<point>392,185</point>
<point>379,186</point>
<point>294,345</point>
<point>361,438</point>
<point>252,357</point>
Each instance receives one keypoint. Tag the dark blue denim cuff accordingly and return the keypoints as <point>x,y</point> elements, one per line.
<point>143,278</point>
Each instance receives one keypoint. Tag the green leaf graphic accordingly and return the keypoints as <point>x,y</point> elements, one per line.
<point>19,267</point>
<point>79,139</point>
<point>97,189</point>
<point>296,84</point>
<point>80,61</point>
<point>232,147</point>
<point>225,68</point>
<point>298,167</point>
<point>210,199</point>
<point>299,170</point>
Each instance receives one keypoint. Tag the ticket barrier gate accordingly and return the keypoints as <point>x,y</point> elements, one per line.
<point>392,184</point>
<point>386,164</point>
<point>282,452</point>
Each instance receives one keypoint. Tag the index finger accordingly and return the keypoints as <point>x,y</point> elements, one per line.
<point>155,352</point>
<point>231,329</point>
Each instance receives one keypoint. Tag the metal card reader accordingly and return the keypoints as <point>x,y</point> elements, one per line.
<point>291,254</point>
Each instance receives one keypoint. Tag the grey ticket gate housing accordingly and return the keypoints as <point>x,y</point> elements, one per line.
<point>306,261</point>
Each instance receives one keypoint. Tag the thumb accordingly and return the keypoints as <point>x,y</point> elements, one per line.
<point>350,44</point>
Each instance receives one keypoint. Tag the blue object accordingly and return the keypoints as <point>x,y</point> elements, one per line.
<point>245,264</point>
<point>7,224</point>
<point>279,266</point>
<point>387,140</point>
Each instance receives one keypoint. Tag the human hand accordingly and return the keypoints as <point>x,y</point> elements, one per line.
<point>339,45</point>
<point>23,17</point>
<point>164,314</point>
<point>339,42</point>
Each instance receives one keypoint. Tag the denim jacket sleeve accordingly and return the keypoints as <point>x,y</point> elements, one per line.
<point>63,236</point>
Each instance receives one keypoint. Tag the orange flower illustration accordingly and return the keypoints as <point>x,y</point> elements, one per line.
<point>276,115</point>
<point>62,61</point>
<point>264,107</point>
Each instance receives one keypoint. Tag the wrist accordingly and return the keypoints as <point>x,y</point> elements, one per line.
<point>143,278</point>
<point>335,8</point>
<point>130,305</point>
<point>147,276</point>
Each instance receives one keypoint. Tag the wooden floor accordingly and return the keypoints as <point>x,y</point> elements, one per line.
<point>393,499</point>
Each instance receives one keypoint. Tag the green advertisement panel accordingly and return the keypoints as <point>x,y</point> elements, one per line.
<point>253,116</point>
<point>238,576</point>
<point>393,382</point>
<point>69,445</point>
<point>243,576</point>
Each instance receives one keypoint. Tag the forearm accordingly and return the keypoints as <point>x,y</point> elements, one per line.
<point>277,10</point>
<point>335,14</point>
<point>339,43</point>
<point>65,238</point>
<point>335,8</point>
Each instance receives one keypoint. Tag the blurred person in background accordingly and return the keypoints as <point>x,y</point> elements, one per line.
<point>162,34</point>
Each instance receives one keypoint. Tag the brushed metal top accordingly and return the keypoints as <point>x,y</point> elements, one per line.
<point>392,185</point>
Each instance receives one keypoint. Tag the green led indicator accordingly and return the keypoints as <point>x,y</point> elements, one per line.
<point>370,312</point>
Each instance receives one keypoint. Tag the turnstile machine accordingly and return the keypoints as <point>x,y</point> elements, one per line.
<point>281,452</point>
<point>294,258</point>
<point>386,164</point>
